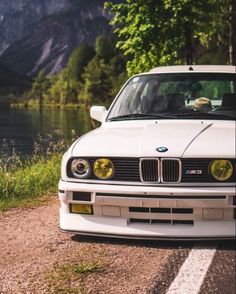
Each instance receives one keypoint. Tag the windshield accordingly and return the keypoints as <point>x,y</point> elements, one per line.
<point>177,95</point>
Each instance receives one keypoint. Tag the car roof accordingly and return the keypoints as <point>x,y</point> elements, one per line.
<point>194,68</point>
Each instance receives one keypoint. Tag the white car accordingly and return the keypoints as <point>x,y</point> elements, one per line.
<point>162,164</point>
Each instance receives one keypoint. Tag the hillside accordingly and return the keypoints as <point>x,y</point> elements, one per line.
<point>11,81</point>
<point>42,34</point>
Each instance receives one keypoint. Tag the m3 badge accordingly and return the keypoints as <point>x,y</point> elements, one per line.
<point>193,172</point>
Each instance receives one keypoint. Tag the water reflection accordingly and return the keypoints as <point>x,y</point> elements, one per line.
<point>20,128</point>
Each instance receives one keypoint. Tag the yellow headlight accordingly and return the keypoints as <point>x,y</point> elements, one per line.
<point>221,169</point>
<point>103,168</point>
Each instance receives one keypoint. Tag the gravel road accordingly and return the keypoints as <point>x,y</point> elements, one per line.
<point>35,257</point>
<point>33,248</point>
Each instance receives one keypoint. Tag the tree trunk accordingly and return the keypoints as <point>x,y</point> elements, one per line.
<point>41,98</point>
<point>232,31</point>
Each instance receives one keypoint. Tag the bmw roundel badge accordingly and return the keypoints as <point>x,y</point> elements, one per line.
<point>162,149</point>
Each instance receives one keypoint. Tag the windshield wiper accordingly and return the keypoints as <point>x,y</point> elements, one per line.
<point>141,116</point>
<point>193,114</point>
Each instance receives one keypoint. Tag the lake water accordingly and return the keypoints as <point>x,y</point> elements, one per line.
<point>21,128</point>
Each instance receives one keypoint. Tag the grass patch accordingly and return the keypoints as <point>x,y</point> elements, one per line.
<point>88,268</point>
<point>26,203</point>
<point>24,185</point>
<point>71,277</point>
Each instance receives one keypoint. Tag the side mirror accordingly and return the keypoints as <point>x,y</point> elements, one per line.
<point>98,113</point>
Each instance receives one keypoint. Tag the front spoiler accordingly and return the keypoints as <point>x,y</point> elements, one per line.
<point>107,225</point>
<point>119,228</point>
<point>140,237</point>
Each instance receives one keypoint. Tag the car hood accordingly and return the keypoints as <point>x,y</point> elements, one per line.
<point>181,138</point>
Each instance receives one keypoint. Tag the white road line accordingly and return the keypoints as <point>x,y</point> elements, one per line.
<point>192,272</point>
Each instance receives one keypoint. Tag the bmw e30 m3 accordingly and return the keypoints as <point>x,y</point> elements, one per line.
<point>162,164</point>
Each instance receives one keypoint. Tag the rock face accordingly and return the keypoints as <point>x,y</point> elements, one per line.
<point>37,34</point>
<point>19,17</point>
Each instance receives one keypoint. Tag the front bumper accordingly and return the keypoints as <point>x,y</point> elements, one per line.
<point>151,212</point>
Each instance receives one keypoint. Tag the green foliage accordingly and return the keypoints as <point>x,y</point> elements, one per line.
<point>90,76</point>
<point>153,33</point>
<point>97,82</point>
<point>66,91</point>
<point>73,73</point>
<point>63,89</point>
<point>54,92</point>
<point>78,61</point>
<point>102,81</point>
<point>40,87</point>
<point>104,47</point>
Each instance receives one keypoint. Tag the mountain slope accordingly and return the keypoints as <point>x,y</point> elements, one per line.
<point>18,18</point>
<point>11,81</point>
<point>51,39</point>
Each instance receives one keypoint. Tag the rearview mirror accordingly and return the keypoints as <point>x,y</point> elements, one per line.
<point>98,113</point>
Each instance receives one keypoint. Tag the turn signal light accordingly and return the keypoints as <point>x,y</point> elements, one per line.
<point>81,208</point>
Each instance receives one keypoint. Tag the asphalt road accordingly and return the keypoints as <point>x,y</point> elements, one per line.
<point>203,268</point>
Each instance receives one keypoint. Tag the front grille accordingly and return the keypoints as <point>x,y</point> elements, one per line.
<point>149,217</point>
<point>160,221</point>
<point>155,170</point>
<point>168,172</point>
<point>149,170</point>
<point>126,169</point>
<point>171,170</point>
<point>161,210</point>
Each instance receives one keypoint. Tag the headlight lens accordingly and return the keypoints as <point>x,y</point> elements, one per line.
<point>80,168</point>
<point>221,169</point>
<point>103,168</point>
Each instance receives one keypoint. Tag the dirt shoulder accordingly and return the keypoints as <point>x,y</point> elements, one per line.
<point>35,257</point>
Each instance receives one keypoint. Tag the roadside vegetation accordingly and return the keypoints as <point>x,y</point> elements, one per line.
<point>32,180</point>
